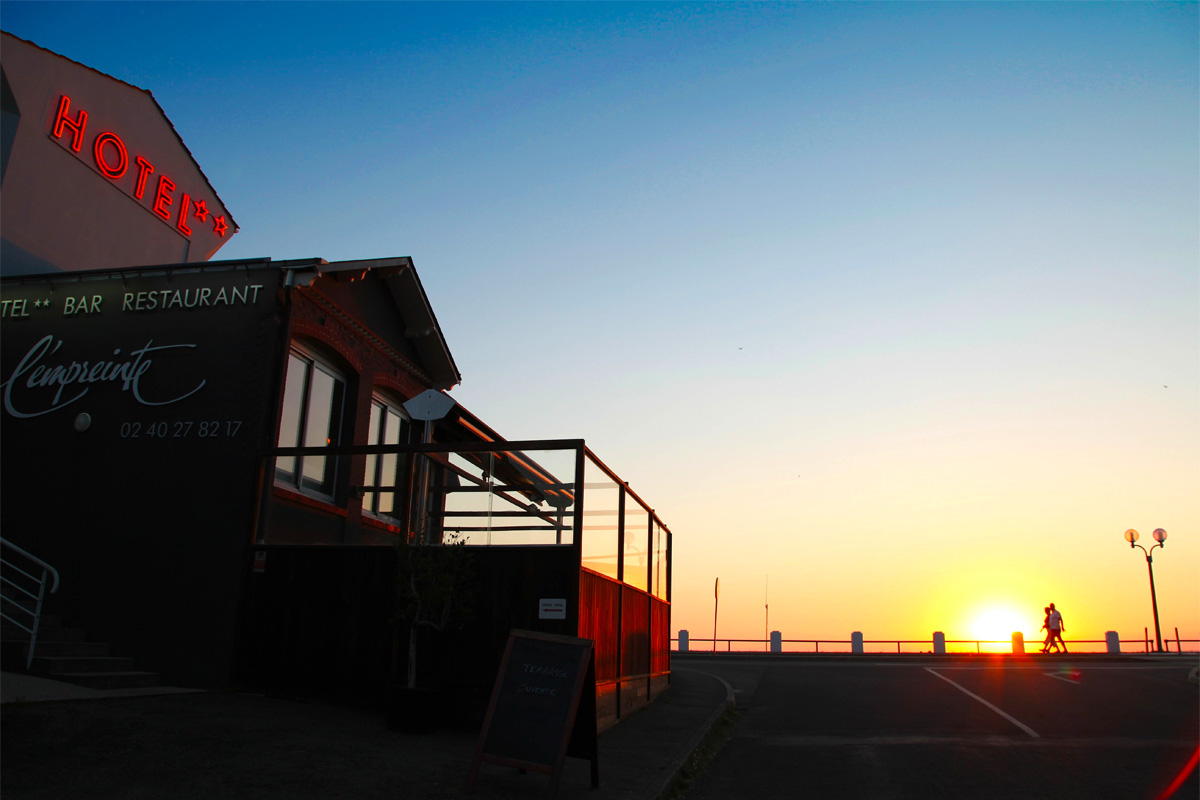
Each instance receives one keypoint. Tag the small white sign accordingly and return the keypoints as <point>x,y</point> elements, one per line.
<point>552,608</point>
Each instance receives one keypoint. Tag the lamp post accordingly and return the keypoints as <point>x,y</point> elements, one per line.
<point>1160,536</point>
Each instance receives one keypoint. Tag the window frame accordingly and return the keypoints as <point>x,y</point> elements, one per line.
<point>295,479</point>
<point>384,403</point>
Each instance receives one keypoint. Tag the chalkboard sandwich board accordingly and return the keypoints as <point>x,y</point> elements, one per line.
<point>543,707</point>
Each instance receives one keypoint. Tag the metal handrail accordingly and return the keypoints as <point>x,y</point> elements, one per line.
<point>31,626</point>
<point>816,643</point>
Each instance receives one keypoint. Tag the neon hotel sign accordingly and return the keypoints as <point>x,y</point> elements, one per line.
<point>111,158</point>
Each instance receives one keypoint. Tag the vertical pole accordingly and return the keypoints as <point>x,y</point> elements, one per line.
<point>423,487</point>
<point>666,539</point>
<point>262,503</point>
<point>716,602</point>
<point>491,485</point>
<point>621,532</point>
<point>1154,602</point>
<point>37,620</point>
<point>650,603</point>
<point>1178,646</point>
<point>670,564</point>
<point>620,595</point>
<point>650,587</point>
<point>577,508</point>
<point>270,434</point>
<point>766,608</point>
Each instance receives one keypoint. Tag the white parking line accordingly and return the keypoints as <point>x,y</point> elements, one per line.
<point>1001,712</point>
<point>1070,677</point>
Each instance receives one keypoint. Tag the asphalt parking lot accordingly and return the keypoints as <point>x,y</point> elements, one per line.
<point>1079,727</point>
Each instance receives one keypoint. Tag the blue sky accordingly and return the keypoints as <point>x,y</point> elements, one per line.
<point>867,295</point>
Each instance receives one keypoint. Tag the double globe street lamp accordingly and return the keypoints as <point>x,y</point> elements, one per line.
<point>1160,536</point>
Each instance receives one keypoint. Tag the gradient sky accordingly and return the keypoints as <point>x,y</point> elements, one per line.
<point>896,304</point>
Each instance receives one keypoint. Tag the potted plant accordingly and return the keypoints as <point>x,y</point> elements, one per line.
<point>433,587</point>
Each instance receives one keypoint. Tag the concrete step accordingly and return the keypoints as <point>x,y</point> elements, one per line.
<point>109,680</point>
<point>57,665</point>
<point>59,633</point>
<point>64,653</point>
<point>49,631</point>
<point>89,649</point>
<point>47,619</point>
<point>14,652</point>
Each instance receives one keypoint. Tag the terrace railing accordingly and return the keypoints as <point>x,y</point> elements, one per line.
<point>545,493</point>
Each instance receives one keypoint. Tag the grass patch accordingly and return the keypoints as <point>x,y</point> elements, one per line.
<point>702,756</point>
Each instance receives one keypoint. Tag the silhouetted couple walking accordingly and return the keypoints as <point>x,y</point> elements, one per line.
<point>1053,626</point>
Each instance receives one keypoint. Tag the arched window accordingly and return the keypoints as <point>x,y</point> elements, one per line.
<point>386,473</point>
<point>312,417</point>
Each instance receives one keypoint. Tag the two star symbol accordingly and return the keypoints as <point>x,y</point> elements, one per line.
<point>220,226</point>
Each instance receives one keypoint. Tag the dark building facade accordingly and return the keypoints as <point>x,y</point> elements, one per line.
<point>220,457</point>
<point>137,406</point>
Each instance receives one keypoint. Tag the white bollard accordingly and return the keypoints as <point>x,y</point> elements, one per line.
<point>683,641</point>
<point>1018,643</point>
<point>856,642</point>
<point>776,642</point>
<point>939,643</point>
<point>1113,641</point>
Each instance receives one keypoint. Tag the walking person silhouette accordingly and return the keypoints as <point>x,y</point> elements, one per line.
<point>1049,634</point>
<point>1056,626</point>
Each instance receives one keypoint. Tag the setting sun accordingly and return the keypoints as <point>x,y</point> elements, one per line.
<point>997,624</point>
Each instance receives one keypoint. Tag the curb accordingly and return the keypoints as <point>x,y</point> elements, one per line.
<point>20,688</point>
<point>675,769</point>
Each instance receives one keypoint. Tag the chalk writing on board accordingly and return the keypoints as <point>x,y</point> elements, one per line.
<point>533,721</point>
